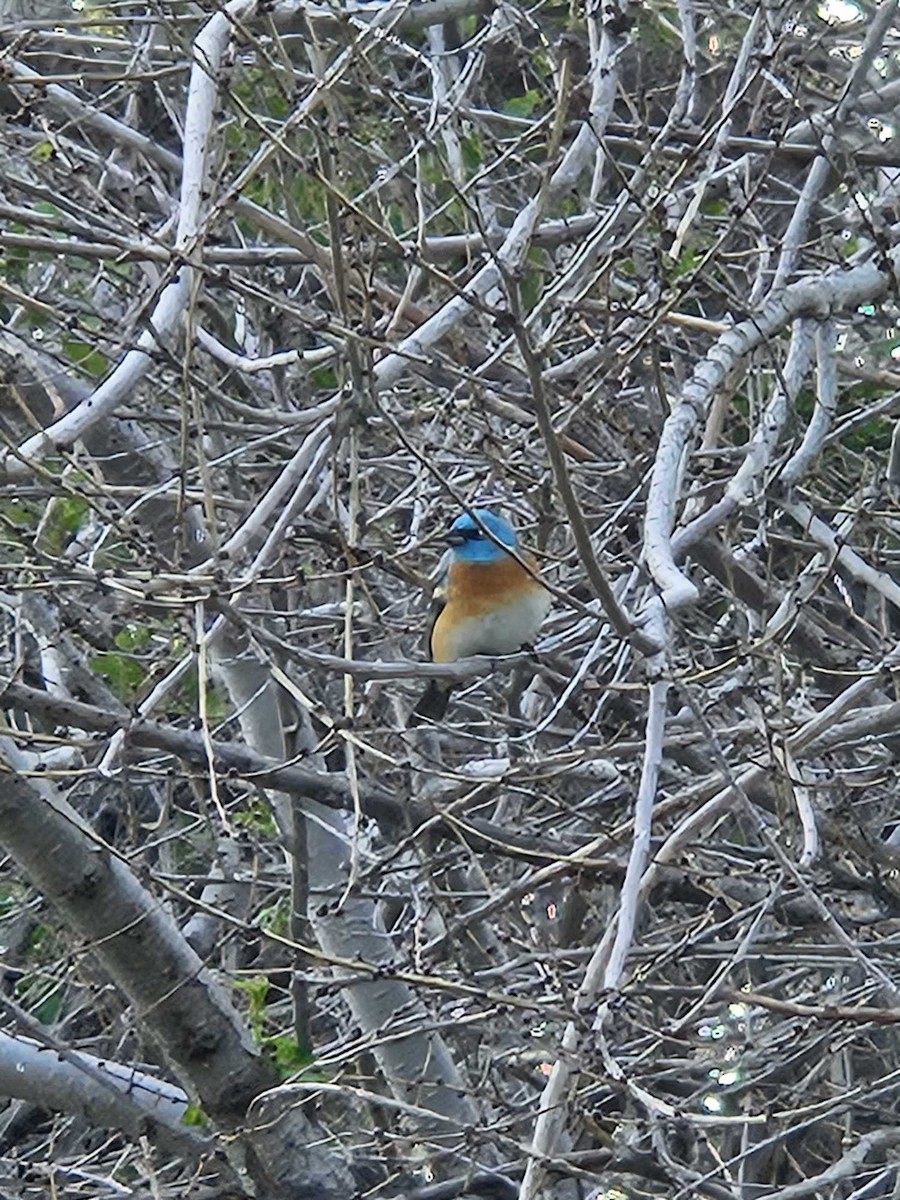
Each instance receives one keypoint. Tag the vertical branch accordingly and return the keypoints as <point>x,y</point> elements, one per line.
<point>740,78</point>
<point>802,460</point>
<point>607,964</point>
<point>301,930</point>
<point>209,48</point>
<point>877,28</point>
<point>202,647</point>
<point>762,444</point>
<point>596,577</point>
<point>349,705</point>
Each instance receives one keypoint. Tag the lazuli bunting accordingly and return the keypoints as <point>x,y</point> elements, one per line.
<point>488,604</point>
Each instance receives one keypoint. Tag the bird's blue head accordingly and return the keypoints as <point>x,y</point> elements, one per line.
<point>472,545</point>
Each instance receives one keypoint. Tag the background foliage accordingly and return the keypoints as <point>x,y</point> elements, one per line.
<point>282,288</point>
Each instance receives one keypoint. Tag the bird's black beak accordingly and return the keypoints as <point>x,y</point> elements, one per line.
<point>455,538</point>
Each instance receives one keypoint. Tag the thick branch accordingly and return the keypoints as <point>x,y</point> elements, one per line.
<point>820,296</point>
<point>141,947</point>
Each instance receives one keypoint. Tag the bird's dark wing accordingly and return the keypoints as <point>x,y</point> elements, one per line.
<point>432,704</point>
<point>438,604</point>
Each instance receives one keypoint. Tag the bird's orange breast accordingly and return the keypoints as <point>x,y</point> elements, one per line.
<point>476,588</point>
<point>476,591</point>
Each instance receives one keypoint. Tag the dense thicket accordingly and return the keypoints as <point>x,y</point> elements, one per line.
<point>285,287</point>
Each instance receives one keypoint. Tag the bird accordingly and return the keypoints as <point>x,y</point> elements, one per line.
<point>489,602</point>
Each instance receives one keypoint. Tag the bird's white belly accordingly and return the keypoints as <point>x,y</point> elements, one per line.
<point>503,631</point>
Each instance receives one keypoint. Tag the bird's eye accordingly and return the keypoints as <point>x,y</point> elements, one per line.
<point>474,535</point>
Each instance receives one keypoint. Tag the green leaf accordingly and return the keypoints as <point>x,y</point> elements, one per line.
<point>71,512</point>
<point>275,918</point>
<point>122,672</point>
<point>48,1010</point>
<point>18,513</point>
<point>38,936</point>
<point>194,1115</point>
<point>289,1056</point>
<point>42,152</point>
<point>323,377</point>
<point>256,989</point>
<point>85,358</point>
<point>64,516</point>
<point>686,262</point>
<point>714,208</point>
<point>132,637</point>
<point>541,64</point>
<point>258,819</point>
<point>277,104</point>
<point>471,152</point>
<point>522,106</point>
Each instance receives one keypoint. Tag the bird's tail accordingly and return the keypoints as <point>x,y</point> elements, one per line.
<point>432,703</point>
